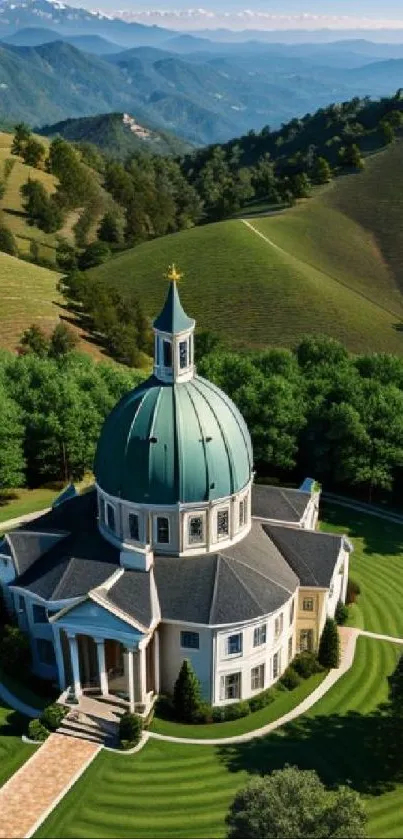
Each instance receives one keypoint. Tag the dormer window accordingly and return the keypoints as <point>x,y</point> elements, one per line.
<point>111,519</point>
<point>167,349</point>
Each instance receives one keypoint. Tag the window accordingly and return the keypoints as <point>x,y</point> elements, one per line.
<point>306,640</point>
<point>292,610</point>
<point>307,604</point>
<point>134,526</point>
<point>278,626</point>
<point>21,604</point>
<point>289,649</point>
<point>230,686</point>
<point>259,635</point>
<point>234,644</point>
<point>111,517</point>
<point>46,653</point>
<point>241,513</point>
<point>222,523</point>
<point>257,677</point>
<point>39,613</point>
<point>183,354</point>
<point>195,529</point>
<point>162,530</point>
<point>276,665</point>
<point>167,349</point>
<point>102,509</point>
<point>190,640</point>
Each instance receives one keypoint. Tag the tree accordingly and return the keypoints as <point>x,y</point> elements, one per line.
<point>294,802</point>
<point>329,647</point>
<point>7,241</point>
<point>387,131</point>
<point>42,210</point>
<point>35,341</point>
<point>396,689</point>
<point>321,172</point>
<point>33,153</point>
<point>110,230</point>
<point>15,651</point>
<point>186,693</point>
<point>66,256</point>
<point>95,254</point>
<point>22,134</point>
<point>351,157</point>
<point>63,340</point>
<point>12,461</point>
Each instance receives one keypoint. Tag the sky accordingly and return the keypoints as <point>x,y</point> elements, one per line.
<point>272,14</point>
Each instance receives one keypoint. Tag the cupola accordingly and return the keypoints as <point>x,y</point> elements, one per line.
<point>174,337</point>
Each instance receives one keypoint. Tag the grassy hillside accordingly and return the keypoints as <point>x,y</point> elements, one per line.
<point>332,264</point>
<point>11,205</point>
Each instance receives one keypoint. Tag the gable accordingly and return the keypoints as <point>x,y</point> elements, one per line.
<point>89,618</point>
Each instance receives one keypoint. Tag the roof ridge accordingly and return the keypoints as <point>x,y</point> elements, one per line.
<point>62,578</point>
<point>260,574</point>
<point>290,503</point>
<point>295,553</point>
<point>242,582</point>
<point>215,586</point>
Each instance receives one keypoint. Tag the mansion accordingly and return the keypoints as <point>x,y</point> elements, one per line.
<point>175,552</point>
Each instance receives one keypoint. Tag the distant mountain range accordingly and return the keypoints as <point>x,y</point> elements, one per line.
<point>59,63</point>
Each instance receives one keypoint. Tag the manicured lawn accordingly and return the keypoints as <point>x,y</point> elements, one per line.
<point>13,752</point>
<point>173,790</point>
<point>376,564</point>
<point>284,702</point>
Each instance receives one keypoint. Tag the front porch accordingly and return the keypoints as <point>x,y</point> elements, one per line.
<point>115,675</point>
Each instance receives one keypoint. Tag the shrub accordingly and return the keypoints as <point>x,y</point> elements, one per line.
<point>290,678</point>
<point>329,647</point>
<point>306,664</point>
<point>130,728</point>
<point>341,613</point>
<point>15,651</point>
<point>186,693</point>
<point>237,710</point>
<point>262,699</point>
<point>203,714</point>
<point>7,241</point>
<point>164,707</point>
<point>353,590</point>
<point>218,714</point>
<point>37,731</point>
<point>52,716</point>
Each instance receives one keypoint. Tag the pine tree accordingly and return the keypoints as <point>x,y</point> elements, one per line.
<point>329,647</point>
<point>186,693</point>
<point>321,171</point>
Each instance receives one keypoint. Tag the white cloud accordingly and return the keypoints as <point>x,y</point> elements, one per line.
<point>259,19</point>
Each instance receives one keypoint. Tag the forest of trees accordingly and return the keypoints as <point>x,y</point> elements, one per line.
<point>123,204</point>
<point>313,410</point>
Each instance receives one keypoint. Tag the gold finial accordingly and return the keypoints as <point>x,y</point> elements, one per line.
<point>173,274</point>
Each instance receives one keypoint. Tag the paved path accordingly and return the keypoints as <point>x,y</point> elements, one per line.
<point>16,704</point>
<point>378,637</point>
<point>10,523</point>
<point>348,637</point>
<point>35,789</point>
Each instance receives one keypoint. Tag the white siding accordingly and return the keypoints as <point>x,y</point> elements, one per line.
<point>172,655</point>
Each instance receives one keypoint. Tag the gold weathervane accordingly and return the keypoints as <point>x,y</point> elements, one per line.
<point>173,274</point>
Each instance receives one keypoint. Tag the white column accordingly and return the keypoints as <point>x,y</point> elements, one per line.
<point>59,658</point>
<point>156,661</point>
<point>142,675</point>
<point>103,676</point>
<point>75,664</point>
<point>130,677</point>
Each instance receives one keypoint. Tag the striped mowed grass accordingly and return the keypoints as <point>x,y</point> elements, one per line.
<point>176,790</point>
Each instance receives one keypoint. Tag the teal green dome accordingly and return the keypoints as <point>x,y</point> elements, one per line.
<point>169,443</point>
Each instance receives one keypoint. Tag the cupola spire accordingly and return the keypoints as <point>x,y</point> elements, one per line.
<point>174,335</point>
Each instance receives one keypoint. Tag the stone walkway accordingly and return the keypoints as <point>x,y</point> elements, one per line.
<point>35,789</point>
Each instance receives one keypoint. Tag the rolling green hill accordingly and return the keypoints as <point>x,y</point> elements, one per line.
<point>329,265</point>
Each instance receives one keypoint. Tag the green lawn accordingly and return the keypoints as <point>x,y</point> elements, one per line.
<point>13,752</point>
<point>24,692</point>
<point>285,701</point>
<point>376,564</point>
<point>171,790</point>
<point>26,501</point>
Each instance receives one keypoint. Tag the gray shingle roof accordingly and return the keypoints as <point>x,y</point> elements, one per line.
<point>132,594</point>
<point>312,555</point>
<point>279,503</point>
<point>75,563</point>
<point>239,583</point>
